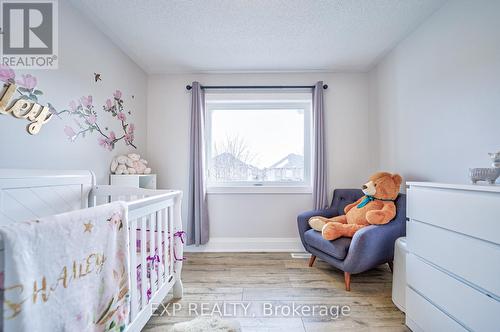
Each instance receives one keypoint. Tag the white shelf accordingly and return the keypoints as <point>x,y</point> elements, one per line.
<point>146,181</point>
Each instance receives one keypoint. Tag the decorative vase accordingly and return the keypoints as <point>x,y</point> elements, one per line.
<point>495,158</point>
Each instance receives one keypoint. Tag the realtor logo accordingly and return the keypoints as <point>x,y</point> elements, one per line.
<point>29,34</point>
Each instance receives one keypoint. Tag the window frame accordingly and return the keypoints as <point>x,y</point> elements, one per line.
<point>230,102</point>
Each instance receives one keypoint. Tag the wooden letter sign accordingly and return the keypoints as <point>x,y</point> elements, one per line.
<point>27,109</point>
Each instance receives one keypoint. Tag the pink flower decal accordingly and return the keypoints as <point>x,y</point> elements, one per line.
<point>28,81</point>
<point>73,106</point>
<point>129,138</point>
<point>91,119</point>
<point>117,94</point>
<point>7,74</point>
<point>69,132</point>
<point>86,101</point>
<point>109,142</point>
<point>104,143</point>
<point>109,104</point>
<point>121,116</point>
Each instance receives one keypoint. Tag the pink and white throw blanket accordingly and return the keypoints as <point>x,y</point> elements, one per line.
<point>68,272</point>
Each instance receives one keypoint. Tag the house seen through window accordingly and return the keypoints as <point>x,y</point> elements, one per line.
<point>258,142</point>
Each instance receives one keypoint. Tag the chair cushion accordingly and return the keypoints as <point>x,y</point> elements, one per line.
<point>337,248</point>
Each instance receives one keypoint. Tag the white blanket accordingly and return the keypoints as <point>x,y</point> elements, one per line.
<point>68,272</point>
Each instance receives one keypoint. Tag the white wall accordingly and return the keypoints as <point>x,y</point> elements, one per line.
<point>438,95</point>
<point>351,151</point>
<point>83,50</point>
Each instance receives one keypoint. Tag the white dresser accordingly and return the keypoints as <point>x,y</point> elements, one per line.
<point>453,264</point>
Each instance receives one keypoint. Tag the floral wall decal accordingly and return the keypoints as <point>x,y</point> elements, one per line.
<point>86,120</point>
<point>83,112</point>
<point>7,75</point>
<point>26,85</point>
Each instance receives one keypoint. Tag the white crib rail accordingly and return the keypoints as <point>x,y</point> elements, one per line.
<point>157,212</point>
<point>102,194</point>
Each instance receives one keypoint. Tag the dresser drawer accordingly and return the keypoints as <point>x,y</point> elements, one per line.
<point>423,316</point>
<point>465,304</point>
<point>474,260</point>
<point>475,213</point>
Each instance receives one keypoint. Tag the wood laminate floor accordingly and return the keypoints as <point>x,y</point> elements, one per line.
<point>270,284</point>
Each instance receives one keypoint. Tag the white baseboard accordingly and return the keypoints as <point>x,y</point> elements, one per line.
<point>249,244</point>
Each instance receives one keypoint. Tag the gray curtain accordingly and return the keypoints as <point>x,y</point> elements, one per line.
<point>197,226</point>
<point>320,197</point>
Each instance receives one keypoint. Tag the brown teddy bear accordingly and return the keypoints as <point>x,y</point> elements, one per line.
<point>375,208</point>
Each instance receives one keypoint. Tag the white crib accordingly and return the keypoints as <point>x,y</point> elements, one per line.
<point>154,219</point>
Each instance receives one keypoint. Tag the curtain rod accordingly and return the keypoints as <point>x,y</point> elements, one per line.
<point>215,87</point>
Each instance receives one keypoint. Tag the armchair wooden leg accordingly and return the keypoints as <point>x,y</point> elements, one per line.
<point>311,260</point>
<point>391,266</point>
<point>347,278</point>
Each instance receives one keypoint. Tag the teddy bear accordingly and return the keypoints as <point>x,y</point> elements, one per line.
<point>375,208</point>
<point>129,164</point>
<point>139,165</point>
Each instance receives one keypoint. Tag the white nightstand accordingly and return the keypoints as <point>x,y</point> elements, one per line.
<point>146,181</point>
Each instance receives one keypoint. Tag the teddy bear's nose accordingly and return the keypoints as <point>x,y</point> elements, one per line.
<point>364,186</point>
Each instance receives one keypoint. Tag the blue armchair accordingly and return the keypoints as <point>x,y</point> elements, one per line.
<point>371,246</point>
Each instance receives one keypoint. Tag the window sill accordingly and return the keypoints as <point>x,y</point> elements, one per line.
<point>259,190</point>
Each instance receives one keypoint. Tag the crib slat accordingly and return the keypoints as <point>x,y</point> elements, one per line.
<point>168,252</point>
<point>159,222</point>
<point>172,242</point>
<point>152,252</point>
<point>133,269</point>
<point>92,201</point>
<point>143,254</point>
<point>166,244</point>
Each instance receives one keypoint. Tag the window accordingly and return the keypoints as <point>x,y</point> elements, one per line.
<point>259,141</point>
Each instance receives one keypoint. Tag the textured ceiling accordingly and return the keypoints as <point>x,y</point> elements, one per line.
<point>256,35</point>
